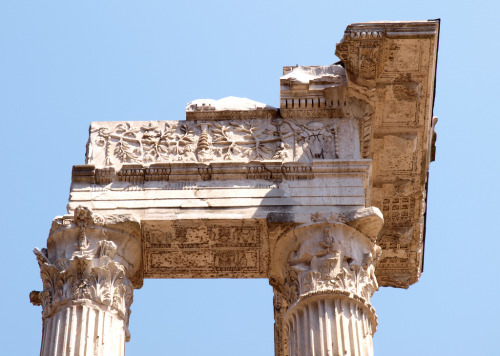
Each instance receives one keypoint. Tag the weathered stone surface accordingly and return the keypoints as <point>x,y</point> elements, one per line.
<point>324,196</point>
<point>229,108</point>
<point>314,91</point>
<point>331,118</point>
<point>231,103</point>
<point>390,68</point>
<point>206,248</point>
<point>88,271</point>
<point>117,144</point>
<point>323,275</point>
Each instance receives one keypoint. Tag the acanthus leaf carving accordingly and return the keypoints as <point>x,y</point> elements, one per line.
<point>94,276</point>
<point>90,273</point>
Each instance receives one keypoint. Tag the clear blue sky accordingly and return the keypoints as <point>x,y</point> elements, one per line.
<point>66,63</point>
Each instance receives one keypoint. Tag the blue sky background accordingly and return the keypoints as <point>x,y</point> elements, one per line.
<point>66,63</point>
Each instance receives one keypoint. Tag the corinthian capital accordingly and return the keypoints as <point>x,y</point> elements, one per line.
<point>94,276</point>
<point>333,253</point>
<point>89,260</point>
<point>335,259</point>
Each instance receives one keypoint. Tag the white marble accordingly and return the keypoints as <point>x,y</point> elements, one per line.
<point>88,273</point>
<point>324,196</point>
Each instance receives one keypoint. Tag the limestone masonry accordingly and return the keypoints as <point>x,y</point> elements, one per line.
<point>325,196</point>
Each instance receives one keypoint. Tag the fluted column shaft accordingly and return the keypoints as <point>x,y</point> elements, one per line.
<point>330,325</point>
<point>80,330</point>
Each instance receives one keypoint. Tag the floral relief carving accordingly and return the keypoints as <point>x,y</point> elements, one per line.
<point>124,148</point>
<point>243,140</point>
<point>146,144</point>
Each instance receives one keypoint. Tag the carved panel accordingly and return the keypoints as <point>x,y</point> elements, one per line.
<point>400,56</point>
<point>405,88</point>
<point>399,211</point>
<point>396,113</point>
<point>195,249</point>
<point>396,154</point>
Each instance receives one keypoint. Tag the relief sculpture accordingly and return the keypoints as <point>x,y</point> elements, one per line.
<point>331,269</point>
<point>194,249</point>
<point>113,144</point>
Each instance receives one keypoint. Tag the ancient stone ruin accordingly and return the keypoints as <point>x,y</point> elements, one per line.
<point>324,196</point>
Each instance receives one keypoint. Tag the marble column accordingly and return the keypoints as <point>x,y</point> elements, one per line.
<point>87,288</point>
<point>322,305</point>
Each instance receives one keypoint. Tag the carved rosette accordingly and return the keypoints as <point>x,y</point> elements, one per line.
<point>88,273</point>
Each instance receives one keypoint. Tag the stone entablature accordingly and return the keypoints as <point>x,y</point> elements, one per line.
<point>391,69</point>
<point>324,196</point>
<point>330,120</point>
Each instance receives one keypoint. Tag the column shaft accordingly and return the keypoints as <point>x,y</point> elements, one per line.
<point>329,326</point>
<point>81,330</point>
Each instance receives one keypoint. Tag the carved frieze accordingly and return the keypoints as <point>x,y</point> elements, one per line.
<point>186,249</point>
<point>116,144</point>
